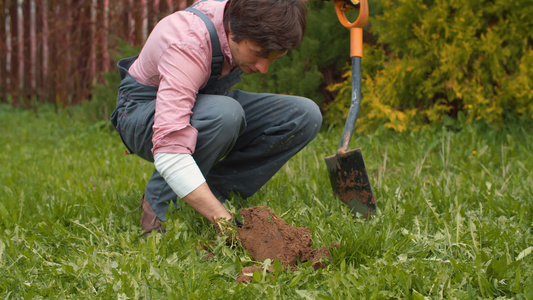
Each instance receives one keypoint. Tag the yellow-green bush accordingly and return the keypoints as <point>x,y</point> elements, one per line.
<point>442,57</point>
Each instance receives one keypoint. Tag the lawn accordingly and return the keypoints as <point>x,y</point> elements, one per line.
<point>455,218</point>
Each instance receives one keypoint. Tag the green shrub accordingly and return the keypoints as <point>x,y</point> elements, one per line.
<point>437,58</point>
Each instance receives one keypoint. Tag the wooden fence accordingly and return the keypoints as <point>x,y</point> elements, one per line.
<point>55,50</point>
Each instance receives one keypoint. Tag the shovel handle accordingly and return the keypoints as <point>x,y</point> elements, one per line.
<point>356,28</point>
<point>355,105</point>
<point>356,53</point>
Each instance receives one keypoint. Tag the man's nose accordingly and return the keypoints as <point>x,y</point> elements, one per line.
<point>262,65</point>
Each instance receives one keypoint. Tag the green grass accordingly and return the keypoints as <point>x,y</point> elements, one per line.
<point>455,218</point>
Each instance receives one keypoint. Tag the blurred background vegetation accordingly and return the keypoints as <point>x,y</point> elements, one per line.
<point>424,62</point>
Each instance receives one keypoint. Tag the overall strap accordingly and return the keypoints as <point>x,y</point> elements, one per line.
<point>218,57</point>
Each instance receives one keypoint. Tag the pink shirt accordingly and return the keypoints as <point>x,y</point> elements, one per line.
<point>177,58</point>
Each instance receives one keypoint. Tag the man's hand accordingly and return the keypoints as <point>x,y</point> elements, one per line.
<point>223,224</point>
<point>230,229</point>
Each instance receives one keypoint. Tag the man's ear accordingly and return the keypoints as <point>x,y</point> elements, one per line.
<point>229,33</point>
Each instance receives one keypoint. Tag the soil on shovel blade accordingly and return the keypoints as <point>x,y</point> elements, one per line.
<point>266,235</point>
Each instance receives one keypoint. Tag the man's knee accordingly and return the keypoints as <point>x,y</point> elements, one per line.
<point>309,116</point>
<point>218,118</point>
<point>230,118</point>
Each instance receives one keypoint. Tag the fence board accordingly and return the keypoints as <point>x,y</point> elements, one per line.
<point>3,52</point>
<point>12,51</point>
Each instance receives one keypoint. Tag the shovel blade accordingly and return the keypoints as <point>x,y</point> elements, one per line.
<point>350,183</point>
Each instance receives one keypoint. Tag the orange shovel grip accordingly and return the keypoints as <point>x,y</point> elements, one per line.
<point>356,28</point>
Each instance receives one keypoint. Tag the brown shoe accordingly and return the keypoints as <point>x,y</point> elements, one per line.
<point>149,220</point>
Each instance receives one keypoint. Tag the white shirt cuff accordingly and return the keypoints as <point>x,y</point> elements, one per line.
<point>180,171</point>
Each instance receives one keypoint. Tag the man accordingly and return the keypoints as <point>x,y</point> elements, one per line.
<point>174,108</point>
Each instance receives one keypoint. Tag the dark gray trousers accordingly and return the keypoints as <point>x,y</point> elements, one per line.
<point>243,139</point>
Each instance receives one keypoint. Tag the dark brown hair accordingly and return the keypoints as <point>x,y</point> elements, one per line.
<point>274,25</point>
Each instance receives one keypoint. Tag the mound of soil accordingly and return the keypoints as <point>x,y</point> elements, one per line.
<point>266,235</point>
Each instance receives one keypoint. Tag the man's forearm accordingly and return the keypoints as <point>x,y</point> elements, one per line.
<point>204,202</point>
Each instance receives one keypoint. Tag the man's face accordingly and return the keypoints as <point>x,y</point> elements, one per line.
<point>247,56</point>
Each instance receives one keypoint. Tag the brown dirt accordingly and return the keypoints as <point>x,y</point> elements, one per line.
<point>266,235</point>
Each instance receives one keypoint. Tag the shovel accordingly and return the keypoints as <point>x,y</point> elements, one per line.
<point>347,171</point>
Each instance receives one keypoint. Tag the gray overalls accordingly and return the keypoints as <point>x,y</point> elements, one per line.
<point>243,138</point>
